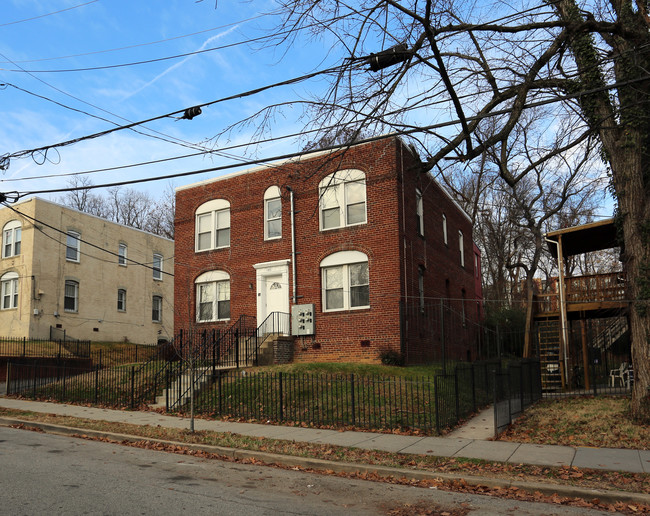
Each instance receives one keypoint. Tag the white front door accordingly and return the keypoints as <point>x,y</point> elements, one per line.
<point>272,295</point>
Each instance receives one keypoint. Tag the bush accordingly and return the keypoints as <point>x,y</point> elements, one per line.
<point>391,357</point>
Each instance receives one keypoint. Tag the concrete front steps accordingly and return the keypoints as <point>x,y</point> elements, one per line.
<point>182,383</point>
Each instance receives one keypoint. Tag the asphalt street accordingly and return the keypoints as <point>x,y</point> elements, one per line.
<point>51,474</point>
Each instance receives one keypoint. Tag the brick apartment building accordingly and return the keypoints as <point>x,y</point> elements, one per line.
<point>362,234</point>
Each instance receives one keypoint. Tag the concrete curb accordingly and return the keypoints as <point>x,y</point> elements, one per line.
<point>344,467</point>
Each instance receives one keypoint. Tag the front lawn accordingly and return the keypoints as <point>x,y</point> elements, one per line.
<point>602,422</point>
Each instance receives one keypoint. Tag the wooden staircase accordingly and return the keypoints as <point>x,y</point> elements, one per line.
<point>548,333</point>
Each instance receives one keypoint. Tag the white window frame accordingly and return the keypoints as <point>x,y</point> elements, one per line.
<point>157,266</point>
<point>344,261</point>
<point>156,305</point>
<point>213,212</point>
<point>121,255</point>
<point>9,290</point>
<point>121,300</point>
<point>461,246</point>
<point>74,284</point>
<point>219,281</point>
<point>73,243</point>
<point>419,210</point>
<point>445,236</point>
<point>11,238</point>
<point>334,192</point>
<point>272,195</point>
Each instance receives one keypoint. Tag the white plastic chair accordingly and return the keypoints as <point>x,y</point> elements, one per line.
<point>618,374</point>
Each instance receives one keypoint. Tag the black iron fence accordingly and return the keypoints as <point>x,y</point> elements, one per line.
<point>124,386</point>
<point>24,347</point>
<point>517,387</point>
<point>431,404</point>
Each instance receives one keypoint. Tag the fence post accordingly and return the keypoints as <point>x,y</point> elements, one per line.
<point>24,345</point>
<point>220,396</point>
<point>281,396</point>
<point>237,347</point>
<point>136,352</point>
<point>352,399</point>
<point>96,384</point>
<point>64,378</point>
<point>132,386</point>
<point>456,395</point>
<point>435,392</point>
<point>214,357</point>
<point>442,335</point>
<point>521,385</point>
<point>496,401</point>
<point>167,386</point>
<point>100,358</point>
<point>8,377</point>
<point>473,388</point>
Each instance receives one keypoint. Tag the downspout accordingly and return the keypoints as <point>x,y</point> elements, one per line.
<point>293,246</point>
<point>563,317</point>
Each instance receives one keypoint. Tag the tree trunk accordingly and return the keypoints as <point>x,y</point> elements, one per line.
<point>633,203</point>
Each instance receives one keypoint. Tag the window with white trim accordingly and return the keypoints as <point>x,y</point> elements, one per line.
<point>156,309</point>
<point>157,266</point>
<point>444,229</point>
<point>121,255</point>
<point>72,251</point>
<point>345,281</point>
<point>11,238</point>
<point>213,225</point>
<point>213,296</point>
<point>9,289</point>
<point>419,210</point>
<point>342,199</point>
<point>272,213</point>
<point>121,300</point>
<point>461,246</point>
<point>71,296</point>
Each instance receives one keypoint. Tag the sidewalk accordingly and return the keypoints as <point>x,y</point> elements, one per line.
<point>467,442</point>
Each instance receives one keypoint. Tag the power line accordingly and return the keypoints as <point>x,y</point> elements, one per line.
<point>48,14</point>
<point>5,158</point>
<point>86,242</point>
<point>531,105</point>
<point>138,45</point>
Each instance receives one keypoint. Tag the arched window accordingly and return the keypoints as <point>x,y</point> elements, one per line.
<point>213,296</point>
<point>345,280</point>
<point>213,225</point>
<point>11,237</point>
<point>342,199</point>
<point>9,289</point>
<point>272,213</point>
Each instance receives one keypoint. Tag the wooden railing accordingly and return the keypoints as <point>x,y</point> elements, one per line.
<point>585,289</point>
<point>597,287</point>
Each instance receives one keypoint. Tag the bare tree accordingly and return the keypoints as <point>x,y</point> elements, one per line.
<point>83,199</point>
<point>124,206</point>
<point>587,64</point>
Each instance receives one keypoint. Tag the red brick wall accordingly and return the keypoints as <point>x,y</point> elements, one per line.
<point>354,335</point>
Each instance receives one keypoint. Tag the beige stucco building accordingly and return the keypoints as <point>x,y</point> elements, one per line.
<point>93,278</point>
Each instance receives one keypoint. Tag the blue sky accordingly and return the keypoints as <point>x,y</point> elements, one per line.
<point>40,38</point>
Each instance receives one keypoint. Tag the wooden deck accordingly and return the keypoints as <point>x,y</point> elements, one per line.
<point>597,293</point>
